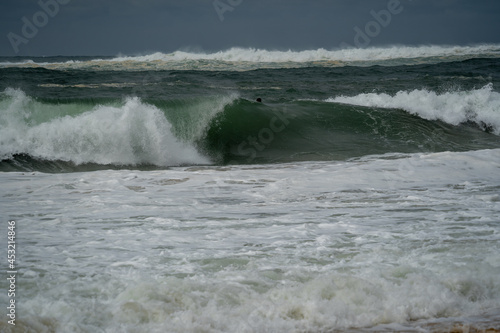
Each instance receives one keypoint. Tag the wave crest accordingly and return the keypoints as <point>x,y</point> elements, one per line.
<point>479,106</point>
<point>237,58</point>
<point>134,133</point>
<point>236,54</point>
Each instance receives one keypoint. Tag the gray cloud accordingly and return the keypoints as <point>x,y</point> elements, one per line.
<point>96,27</point>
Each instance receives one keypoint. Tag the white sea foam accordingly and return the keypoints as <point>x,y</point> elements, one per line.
<point>481,106</point>
<point>394,240</point>
<point>129,134</point>
<point>236,54</point>
<point>251,58</point>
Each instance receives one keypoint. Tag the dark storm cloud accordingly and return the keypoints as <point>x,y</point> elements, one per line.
<point>97,27</point>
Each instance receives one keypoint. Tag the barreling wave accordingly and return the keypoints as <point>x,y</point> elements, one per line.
<point>240,59</point>
<point>68,136</point>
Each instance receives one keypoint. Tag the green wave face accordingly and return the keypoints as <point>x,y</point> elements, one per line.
<point>247,132</point>
<point>84,119</point>
<point>216,129</point>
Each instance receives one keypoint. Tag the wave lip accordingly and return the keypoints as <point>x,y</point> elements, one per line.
<point>134,133</point>
<point>478,106</point>
<point>228,129</point>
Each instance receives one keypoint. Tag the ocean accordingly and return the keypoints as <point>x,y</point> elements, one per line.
<point>154,193</point>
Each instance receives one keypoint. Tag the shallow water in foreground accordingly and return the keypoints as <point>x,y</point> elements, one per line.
<point>312,246</point>
<point>155,194</point>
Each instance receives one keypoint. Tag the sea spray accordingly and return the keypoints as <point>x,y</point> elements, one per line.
<point>244,59</point>
<point>228,129</point>
<point>350,217</point>
<point>131,134</point>
<point>479,106</point>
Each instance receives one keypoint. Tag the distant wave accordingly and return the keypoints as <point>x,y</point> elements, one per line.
<point>236,54</point>
<point>250,58</point>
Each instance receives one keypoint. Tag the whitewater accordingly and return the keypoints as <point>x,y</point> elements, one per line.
<point>154,193</point>
<point>479,106</point>
<point>242,59</point>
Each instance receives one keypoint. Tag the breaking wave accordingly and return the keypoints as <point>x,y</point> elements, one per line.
<point>40,135</point>
<point>129,133</point>
<point>240,59</point>
<point>478,106</point>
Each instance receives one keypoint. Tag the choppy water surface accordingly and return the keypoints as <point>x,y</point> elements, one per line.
<point>361,197</point>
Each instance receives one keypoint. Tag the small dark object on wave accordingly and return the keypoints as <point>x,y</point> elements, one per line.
<point>259,100</point>
<point>487,127</point>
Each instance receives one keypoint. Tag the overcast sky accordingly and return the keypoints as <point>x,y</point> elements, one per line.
<point>133,27</point>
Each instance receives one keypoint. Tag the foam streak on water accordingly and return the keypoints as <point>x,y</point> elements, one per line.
<point>392,242</point>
